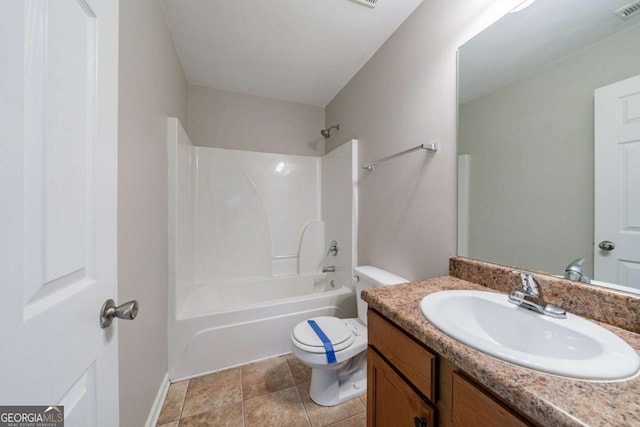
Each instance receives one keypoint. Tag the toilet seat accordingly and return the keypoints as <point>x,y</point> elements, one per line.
<point>305,338</point>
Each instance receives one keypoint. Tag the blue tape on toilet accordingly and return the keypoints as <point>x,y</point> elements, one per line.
<point>326,342</point>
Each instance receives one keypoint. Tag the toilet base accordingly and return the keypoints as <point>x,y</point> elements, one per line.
<point>332,387</point>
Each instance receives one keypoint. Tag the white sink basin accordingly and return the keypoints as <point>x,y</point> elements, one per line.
<point>572,347</point>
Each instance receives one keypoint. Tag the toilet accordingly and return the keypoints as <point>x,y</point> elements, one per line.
<point>335,349</point>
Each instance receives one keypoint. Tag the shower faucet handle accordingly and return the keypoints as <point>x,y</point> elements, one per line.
<point>333,248</point>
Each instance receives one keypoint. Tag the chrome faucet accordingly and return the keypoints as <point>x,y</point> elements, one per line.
<point>329,269</point>
<point>574,271</point>
<point>530,289</point>
<point>333,248</point>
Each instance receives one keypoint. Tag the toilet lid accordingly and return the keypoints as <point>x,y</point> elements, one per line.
<point>337,332</point>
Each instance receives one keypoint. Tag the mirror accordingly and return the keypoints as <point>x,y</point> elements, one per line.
<point>525,132</point>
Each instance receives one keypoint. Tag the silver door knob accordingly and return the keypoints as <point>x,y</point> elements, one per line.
<point>127,311</point>
<point>606,245</point>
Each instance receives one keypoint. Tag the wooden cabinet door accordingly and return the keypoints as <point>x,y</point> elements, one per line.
<point>472,407</point>
<point>391,402</point>
<point>413,361</point>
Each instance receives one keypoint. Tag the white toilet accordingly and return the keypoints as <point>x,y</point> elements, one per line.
<point>335,349</point>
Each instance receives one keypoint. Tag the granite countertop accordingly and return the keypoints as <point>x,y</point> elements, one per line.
<point>548,399</point>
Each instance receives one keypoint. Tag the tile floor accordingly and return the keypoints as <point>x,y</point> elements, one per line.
<point>273,392</point>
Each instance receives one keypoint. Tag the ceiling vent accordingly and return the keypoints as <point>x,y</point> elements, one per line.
<point>372,3</point>
<point>629,10</point>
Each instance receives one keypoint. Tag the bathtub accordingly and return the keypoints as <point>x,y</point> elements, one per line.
<point>223,325</point>
<point>235,214</point>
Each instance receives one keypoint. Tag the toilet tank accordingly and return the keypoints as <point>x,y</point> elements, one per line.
<point>370,277</point>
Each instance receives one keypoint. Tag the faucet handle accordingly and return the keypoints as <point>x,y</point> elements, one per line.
<point>555,311</point>
<point>333,248</point>
<point>529,283</point>
<point>516,297</point>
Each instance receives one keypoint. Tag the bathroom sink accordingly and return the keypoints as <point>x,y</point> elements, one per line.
<point>572,347</point>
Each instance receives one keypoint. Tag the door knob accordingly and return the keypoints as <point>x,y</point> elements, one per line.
<point>126,311</point>
<point>606,245</point>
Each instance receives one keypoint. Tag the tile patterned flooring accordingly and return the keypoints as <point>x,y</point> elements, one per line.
<point>273,392</point>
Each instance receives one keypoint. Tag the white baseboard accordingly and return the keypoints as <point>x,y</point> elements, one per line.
<point>154,414</point>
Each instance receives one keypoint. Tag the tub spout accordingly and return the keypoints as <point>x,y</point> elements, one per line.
<point>329,269</point>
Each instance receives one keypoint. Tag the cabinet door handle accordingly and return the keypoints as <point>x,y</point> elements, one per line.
<point>420,422</point>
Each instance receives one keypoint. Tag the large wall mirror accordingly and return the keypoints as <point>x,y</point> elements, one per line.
<point>529,181</point>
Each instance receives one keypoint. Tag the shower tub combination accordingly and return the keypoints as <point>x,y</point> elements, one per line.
<point>248,236</point>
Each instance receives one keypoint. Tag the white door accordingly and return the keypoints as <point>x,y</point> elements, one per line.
<point>58,165</point>
<point>617,183</point>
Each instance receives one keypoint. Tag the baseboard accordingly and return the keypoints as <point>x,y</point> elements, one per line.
<point>154,414</point>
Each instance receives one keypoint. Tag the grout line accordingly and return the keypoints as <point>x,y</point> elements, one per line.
<point>242,401</point>
<point>184,400</point>
<point>344,419</point>
<point>241,384</point>
<point>244,421</point>
<point>303,407</point>
<point>286,359</point>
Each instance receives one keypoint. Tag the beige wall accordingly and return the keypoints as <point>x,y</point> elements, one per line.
<point>404,96</point>
<point>152,86</point>
<point>531,147</point>
<point>223,119</point>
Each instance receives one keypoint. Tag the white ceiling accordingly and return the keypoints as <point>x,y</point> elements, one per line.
<point>528,40</point>
<point>295,50</point>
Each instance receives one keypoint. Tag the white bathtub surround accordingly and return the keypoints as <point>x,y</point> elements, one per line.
<point>340,208</point>
<point>233,295</point>
<point>250,210</point>
<point>248,240</point>
<point>311,248</point>
<point>180,214</point>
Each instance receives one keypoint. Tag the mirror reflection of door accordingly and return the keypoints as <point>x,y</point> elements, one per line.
<point>617,183</point>
<point>526,122</point>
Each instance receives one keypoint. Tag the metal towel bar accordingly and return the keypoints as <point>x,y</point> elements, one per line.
<point>431,148</point>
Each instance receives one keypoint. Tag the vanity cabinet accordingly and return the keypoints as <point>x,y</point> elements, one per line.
<point>391,401</point>
<point>410,385</point>
<point>400,390</point>
<point>473,407</point>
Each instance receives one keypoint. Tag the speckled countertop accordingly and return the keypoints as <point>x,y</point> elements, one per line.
<point>548,399</point>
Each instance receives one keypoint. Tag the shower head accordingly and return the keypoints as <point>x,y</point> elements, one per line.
<point>326,133</point>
